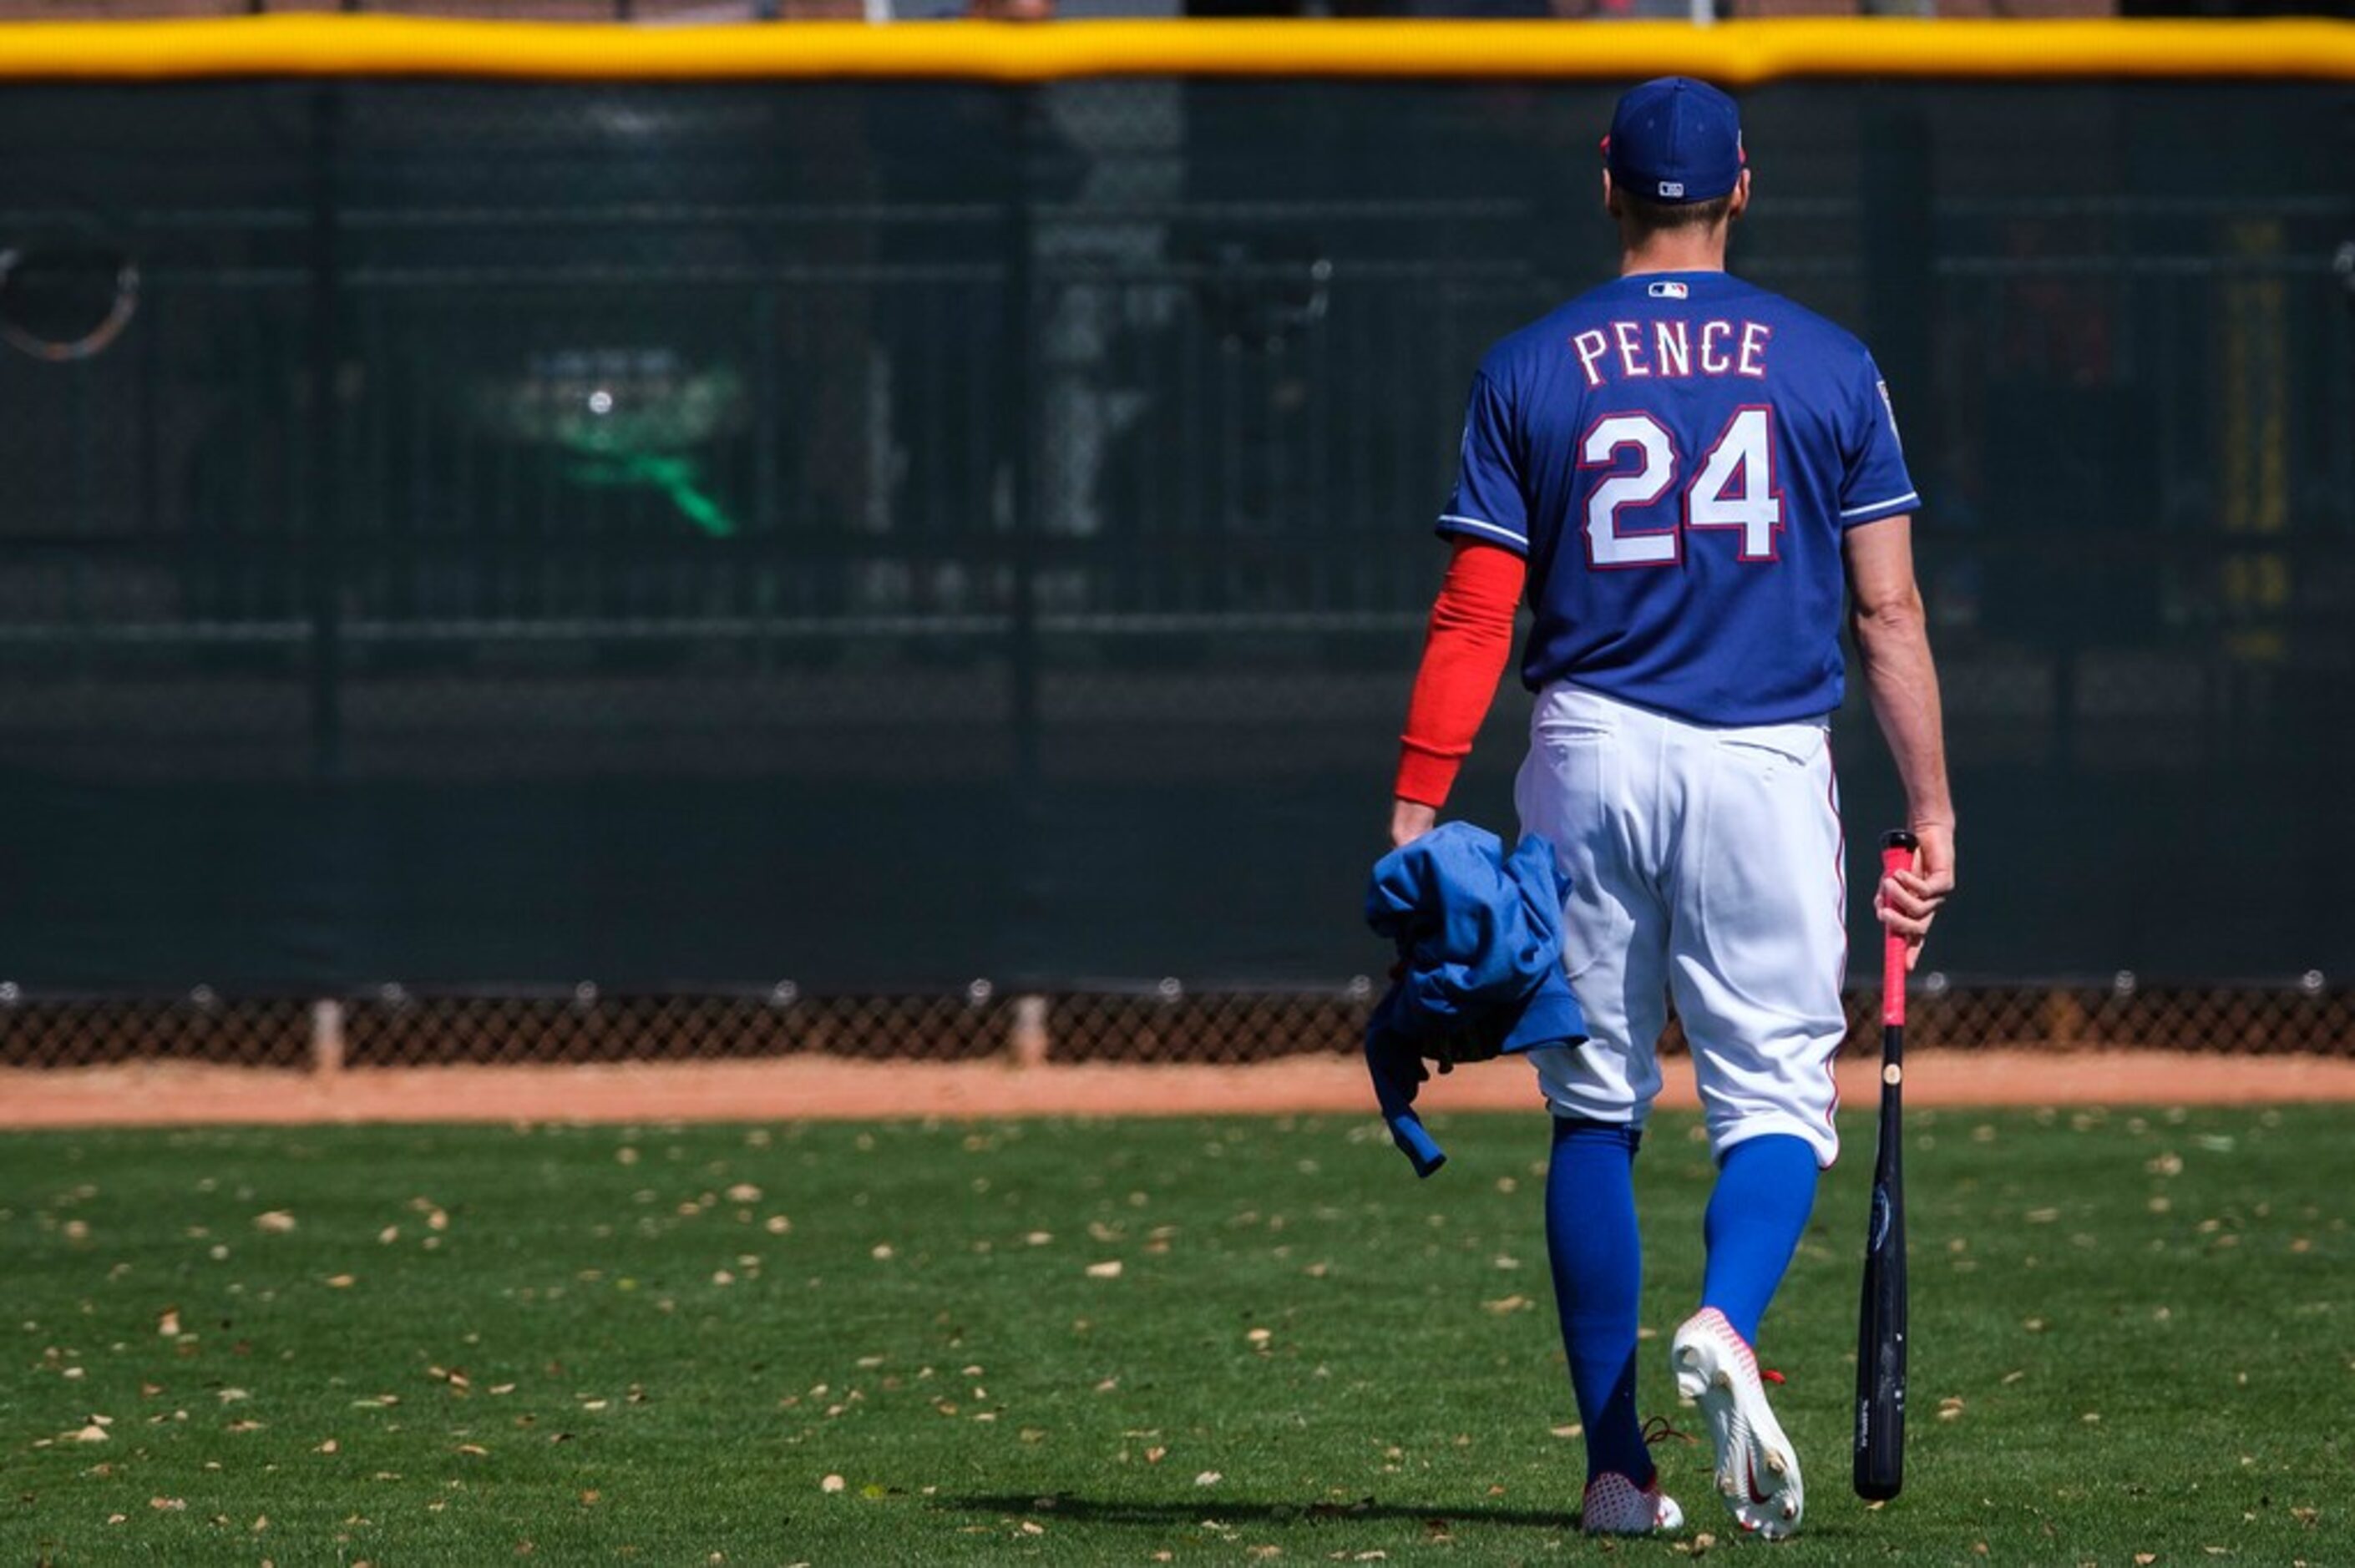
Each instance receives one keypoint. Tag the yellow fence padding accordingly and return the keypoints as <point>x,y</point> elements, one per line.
<point>1736,54</point>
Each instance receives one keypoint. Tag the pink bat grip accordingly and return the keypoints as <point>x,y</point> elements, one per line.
<point>1893,857</point>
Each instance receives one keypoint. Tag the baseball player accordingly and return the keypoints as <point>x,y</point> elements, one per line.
<point>1687,476</point>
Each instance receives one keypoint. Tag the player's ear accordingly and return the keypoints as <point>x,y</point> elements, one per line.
<point>1610,197</point>
<point>1741,202</point>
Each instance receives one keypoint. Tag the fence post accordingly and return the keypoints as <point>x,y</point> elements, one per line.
<point>322,495</point>
<point>1900,232</point>
<point>1028,1041</point>
<point>2064,1016</point>
<point>327,1038</point>
<point>1021,429</point>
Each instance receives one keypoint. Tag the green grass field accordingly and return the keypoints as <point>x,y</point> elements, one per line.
<point>1127,1342</point>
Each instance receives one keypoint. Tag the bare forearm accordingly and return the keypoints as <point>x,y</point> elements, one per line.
<point>1893,645</point>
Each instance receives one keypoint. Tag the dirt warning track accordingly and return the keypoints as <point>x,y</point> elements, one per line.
<point>794,1088</point>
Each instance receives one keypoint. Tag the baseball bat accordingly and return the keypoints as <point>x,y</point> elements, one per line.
<point>1881,1320</point>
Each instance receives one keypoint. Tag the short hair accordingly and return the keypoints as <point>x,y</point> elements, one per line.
<point>1649,217</point>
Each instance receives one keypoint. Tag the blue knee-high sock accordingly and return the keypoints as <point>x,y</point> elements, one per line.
<point>1598,1274</point>
<point>1766,1190</point>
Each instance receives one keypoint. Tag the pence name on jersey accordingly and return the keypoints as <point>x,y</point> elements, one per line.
<point>1677,455</point>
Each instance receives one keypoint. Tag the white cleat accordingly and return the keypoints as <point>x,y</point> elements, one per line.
<point>1617,1506</point>
<point>1757,1468</point>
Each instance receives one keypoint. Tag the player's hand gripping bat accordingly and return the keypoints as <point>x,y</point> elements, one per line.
<point>1880,1322</point>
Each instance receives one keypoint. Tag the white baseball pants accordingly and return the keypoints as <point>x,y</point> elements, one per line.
<point>1706,866</point>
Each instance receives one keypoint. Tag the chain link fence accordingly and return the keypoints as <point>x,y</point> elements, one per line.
<point>892,535</point>
<point>1228,1028</point>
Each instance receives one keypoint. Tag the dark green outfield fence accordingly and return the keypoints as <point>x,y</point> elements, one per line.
<point>872,537</point>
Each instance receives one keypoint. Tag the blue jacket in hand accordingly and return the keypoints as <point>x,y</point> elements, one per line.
<point>1479,971</point>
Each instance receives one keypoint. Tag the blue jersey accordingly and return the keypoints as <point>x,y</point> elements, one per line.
<point>1677,455</point>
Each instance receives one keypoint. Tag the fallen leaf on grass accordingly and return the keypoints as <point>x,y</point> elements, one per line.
<point>2145,1559</point>
<point>1109,1270</point>
<point>93,1432</point>
<point>169,1505</point>
<point>832,1484</point>
<point>1155,1455</point>
<point>277,1222</point>
<point>341,1282</point>
<point>1208,1478</point>
<point>168,1322</point>
<point>1505,1304</point>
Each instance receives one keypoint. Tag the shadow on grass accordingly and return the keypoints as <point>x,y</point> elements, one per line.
<point>1164,1515</point>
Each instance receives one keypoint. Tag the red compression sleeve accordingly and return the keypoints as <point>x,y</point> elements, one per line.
<point>1471,638</point>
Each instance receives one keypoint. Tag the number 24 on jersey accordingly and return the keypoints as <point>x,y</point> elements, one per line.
<point>1734,489</point>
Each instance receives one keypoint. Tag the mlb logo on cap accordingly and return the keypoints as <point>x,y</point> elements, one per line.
<point>1675,140</point>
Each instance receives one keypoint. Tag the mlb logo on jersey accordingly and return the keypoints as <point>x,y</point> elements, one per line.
<point>1668,290</point>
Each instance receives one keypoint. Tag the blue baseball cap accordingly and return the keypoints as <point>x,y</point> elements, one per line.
<point>1675,140</point>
